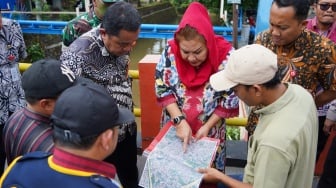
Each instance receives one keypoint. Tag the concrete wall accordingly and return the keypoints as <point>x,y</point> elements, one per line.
<point>158,14</point>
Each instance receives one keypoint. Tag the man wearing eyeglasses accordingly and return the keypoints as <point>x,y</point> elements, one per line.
<point>324,20</point>
<point>324,24</point>
<point>102,55</point>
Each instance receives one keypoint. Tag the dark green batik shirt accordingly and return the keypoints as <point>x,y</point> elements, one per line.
<point>79,25</point>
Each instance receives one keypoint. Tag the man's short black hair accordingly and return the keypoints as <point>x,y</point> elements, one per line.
<point>301,7</point>
<point>121,16</point>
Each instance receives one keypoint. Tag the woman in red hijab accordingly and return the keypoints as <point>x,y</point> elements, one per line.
<point>182,81</point>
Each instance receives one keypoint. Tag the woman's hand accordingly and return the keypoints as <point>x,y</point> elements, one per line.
<point>329,125</point>
<point>183,131</point>
<point>202,132</point>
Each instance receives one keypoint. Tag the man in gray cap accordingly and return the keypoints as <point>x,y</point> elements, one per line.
<point>282,150</point>
<point>84,133</point>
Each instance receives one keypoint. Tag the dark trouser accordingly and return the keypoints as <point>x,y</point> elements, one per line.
<point>125,160</point>
<point>2,151</point>
<point>328,177</point>
<point>322,137</point>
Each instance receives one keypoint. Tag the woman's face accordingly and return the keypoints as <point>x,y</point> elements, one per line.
<point>193,51</point>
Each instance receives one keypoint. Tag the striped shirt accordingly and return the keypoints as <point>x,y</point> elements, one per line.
<point>26,131</point>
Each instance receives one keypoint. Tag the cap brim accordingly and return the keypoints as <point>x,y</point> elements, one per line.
<point>125,117</point>
<point>220,82</point>
<point>81,80</point>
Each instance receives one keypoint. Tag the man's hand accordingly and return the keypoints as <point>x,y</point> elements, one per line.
<point>211,175</point>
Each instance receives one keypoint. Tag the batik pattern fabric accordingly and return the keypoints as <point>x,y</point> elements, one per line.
<point>197,104</point>
<point>12,50</point>
<point>79,25</point>
<point>87,57</point>
<point>330,34</point>
<point>310,62</point>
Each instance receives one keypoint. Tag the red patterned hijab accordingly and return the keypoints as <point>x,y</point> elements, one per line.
<point>197,17</point>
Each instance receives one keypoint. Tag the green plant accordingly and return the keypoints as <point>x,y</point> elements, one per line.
<point>232,133</point>
<point>35,52</point>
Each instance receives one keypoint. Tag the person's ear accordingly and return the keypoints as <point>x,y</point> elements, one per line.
<point>106,139</point>
<point>258,90</point>
<point>102,32</point>
<point>47,104</point>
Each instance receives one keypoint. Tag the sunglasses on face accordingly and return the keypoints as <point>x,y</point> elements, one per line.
<point>326,6</point>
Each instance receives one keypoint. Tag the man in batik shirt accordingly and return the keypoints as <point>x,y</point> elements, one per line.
<point>102,55</point>
<point>12,50</point>
<point>324,24</point>
<point>305,57</point>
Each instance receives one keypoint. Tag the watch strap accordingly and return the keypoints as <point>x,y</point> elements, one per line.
<point>177,120</point>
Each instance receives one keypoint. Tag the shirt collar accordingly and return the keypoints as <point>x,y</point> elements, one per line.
<point>314,23</point>
<point>280,103</point>
<point>315,28</point>
<point>332,29</point>
<point>66,160</point>
<point>94,16</point>
<point>101,43</point>
<point>36,116</point>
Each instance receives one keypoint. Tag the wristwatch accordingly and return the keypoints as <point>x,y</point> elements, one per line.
<point>177,120</point>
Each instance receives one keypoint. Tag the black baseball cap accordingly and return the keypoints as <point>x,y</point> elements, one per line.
<point>47,78</point>
<point>86,110</point>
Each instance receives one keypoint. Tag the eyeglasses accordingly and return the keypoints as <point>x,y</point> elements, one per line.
<point>326,6</point>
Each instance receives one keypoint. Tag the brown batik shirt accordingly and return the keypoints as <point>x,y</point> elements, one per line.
<point>309,61</point>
